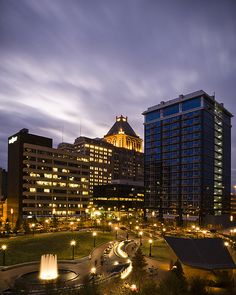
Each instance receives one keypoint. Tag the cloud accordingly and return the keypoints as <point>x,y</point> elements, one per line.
<point>80,63</point>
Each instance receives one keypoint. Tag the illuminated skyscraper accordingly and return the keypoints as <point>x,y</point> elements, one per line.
<point>188,158</point>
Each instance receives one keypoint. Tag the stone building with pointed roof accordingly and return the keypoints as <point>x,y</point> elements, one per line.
<point>122,135</point>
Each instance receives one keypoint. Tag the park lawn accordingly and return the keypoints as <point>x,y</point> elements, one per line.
<point>160,250</point>
<point>30,248</point>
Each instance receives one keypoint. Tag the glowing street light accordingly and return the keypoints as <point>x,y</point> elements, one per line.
<point>93,272</point>
<point>33,227</point>
<point>12,212</point>
<point>73,243</point>
<point>226,244</point>
<point>4,247</point>
<point>94,239</point>
<point>150,247</point>
<point>133,288</point>
<point>163,230</point>
<point>130,224</point>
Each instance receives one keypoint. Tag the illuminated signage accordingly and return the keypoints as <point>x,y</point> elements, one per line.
<point>12,140</point>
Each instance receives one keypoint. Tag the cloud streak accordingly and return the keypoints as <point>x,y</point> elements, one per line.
<point>69,63</point>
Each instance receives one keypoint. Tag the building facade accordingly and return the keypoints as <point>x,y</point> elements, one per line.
<point>116,156</point>
<point>100,155</point>
<point>3,183</point>
<point>44,181</point>
<point>119,197</point>
<point>122,135</point>
<point>188,157</point>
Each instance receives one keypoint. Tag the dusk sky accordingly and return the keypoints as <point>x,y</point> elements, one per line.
<point>66,63</point>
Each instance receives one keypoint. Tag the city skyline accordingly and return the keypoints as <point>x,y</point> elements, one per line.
<point>71,67</point>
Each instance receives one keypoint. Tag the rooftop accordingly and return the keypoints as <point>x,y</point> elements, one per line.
<point>207,253</point>
<point>182,97</point>
<point>121,126</point>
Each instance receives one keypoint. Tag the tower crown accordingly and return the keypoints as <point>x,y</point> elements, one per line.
<point>122,135</point>
<point>121,126</point>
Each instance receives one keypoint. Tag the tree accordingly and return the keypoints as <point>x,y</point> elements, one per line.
<point>197,286</point>
<point>55,222</point>
<point>17,225</point>
<point>178,269</point>
<point>172,285</point>
<point>149,288</point>
<point>139,263</point>
<point>26,226</point>
<point>7,227</point>
<point>89,288</point>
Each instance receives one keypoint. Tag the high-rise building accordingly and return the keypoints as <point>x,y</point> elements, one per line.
<point>188,158</point>
<point>100,155</point>
<point>44,181</point>
<point>122,135</point>
<point>3,183</point>
<point>116,156</point>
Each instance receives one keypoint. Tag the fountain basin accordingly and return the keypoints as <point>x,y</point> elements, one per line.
<point>33,278</point>
<point>33,281</point>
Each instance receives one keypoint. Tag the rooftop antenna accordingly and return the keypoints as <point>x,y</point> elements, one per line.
<point>62,133</point>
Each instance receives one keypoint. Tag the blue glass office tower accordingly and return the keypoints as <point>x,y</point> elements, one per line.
<point>188,158</point>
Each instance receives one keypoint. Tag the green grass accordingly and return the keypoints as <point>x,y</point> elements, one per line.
<point>160,250</point>
<point>30,248</point>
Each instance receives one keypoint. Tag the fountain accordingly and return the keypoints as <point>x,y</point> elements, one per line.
<point>48,267</point>
<point>48,274</point>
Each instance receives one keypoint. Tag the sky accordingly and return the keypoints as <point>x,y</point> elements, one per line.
<point>68,67</point>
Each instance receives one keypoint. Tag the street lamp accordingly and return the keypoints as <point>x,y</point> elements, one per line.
<point>130,224</point>
<point>150,247</point>
<point>4,247</point>
<point>163,230</point>
<point>133,288</point>
<point>93,272</point>
<point>33,227</point>
<point>73,243</point>
<point>94,239</point>
<point>116,229</point>
<point>226,244</point>
<point>12,211</point>
<point>140,236</point>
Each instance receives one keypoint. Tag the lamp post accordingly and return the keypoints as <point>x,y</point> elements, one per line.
<point>150,247</point>
<point>137,228</point>
<point>127,235</point>
<point>93,272</point>
<point>33,227</point>
<point>140,237</point>
<point>12,212</point>
<point>116,229</point>
<point>94,239</point>
<point>73,243</point>
<point>163,231</point>
<point>4,247</point>
<point>130,224</point>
